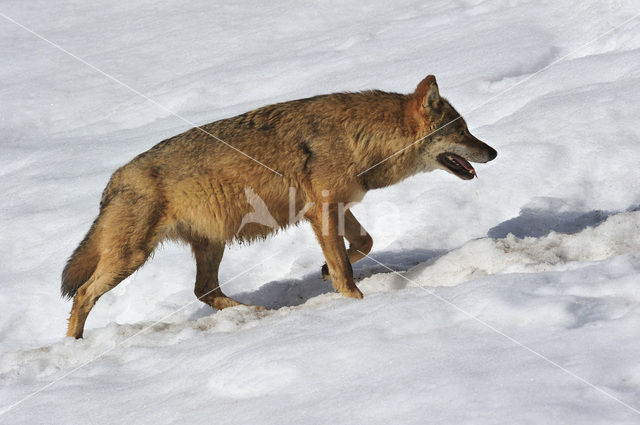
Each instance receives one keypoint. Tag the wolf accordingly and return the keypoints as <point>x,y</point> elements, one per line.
<point>312,157</point>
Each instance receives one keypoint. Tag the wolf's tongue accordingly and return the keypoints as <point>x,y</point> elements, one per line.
<point>464,163</point>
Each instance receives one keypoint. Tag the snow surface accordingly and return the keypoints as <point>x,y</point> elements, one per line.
<point>517,297</point>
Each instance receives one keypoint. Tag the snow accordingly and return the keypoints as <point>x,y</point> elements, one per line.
<point>512,298</point>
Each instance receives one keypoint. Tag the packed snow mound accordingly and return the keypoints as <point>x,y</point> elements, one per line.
<point>619,234</point>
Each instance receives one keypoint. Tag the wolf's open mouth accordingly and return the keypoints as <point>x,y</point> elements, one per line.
<point>457,164</point>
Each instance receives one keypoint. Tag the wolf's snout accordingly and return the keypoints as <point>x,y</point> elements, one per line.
<point>492,153</point>
<point>478,151</point>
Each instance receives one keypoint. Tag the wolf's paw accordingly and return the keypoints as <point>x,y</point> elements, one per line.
<point>353,293</point>
<point>325,272</point>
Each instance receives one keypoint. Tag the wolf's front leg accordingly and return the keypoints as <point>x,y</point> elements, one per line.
<point>360,241</point>
<point>325,225</point>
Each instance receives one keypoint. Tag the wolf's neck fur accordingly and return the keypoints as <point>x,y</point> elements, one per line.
<point>391,171</point>
<point>390,142</point>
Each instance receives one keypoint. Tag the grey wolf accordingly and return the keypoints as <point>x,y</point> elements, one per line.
<point>192,188</point>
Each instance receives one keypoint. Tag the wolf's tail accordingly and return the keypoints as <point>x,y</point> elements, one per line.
<point>81,264</point>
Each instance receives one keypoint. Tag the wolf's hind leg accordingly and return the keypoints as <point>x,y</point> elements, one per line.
<point>360,242</point>
<point>102,281</point>
<point>127,233</point>
<point>207,288</point>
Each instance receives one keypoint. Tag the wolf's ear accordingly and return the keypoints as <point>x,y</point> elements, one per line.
<point>427,93</point>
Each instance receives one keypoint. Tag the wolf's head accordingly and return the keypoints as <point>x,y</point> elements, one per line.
<point>447,144</point>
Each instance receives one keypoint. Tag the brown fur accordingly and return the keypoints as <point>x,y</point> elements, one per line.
<point>192,188</point>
